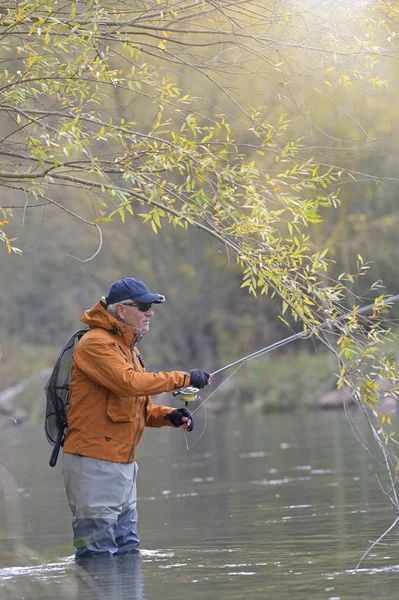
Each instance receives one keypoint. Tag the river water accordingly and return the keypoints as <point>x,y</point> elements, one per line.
<point>260,507</point>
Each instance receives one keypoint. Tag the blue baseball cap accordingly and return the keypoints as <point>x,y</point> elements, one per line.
<point>130,288</point>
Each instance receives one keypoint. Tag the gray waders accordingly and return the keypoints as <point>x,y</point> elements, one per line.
<point>102,497</point>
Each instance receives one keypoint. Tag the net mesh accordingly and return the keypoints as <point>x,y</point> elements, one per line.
<point>57,389</point>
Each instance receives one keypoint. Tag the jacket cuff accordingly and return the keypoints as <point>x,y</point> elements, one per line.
<point>186,379</point>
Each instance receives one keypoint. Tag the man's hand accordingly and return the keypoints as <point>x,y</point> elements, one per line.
<point>182,418</point>
<point>199,378</point>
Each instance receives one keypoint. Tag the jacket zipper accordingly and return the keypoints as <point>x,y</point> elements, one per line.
<point>124,353</point>
<point>139,420</point>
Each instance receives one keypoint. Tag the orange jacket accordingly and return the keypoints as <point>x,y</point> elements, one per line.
<point>110,401</point>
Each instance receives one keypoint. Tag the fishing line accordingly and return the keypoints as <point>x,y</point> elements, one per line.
<point>203,402</point>
<point>240,363</point>
<point>191,393</point>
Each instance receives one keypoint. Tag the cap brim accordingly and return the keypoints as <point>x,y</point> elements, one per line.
<point>153,298</point>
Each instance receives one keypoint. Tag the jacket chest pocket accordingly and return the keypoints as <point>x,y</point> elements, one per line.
<point>121,408</point>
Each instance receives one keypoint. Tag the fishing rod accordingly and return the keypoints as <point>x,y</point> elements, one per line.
<point>190,393</point>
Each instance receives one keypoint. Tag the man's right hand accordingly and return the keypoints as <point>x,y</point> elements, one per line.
<point>199,378</point>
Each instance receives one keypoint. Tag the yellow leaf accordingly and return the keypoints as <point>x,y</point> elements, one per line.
<point>269,135</point>
<point>283,320</point>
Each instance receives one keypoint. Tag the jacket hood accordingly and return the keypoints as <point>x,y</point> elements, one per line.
<point>97,316</point>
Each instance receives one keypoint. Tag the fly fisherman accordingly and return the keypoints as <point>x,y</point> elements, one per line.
<point>110,404</point>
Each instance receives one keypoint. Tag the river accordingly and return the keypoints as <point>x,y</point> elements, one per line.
<point>259,507</point>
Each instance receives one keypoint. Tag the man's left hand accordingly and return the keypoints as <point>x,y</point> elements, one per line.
<point>182,418</point>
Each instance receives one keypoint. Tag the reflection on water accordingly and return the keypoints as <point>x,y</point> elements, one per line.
<point>265,507</point>
<point>118,578</point>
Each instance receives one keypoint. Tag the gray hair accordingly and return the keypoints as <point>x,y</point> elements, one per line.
<point>111,308</point>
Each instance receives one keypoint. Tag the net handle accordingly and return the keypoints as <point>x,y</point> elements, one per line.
<point>57,446</point>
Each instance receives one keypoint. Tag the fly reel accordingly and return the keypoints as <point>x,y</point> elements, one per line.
<point>187,394</point>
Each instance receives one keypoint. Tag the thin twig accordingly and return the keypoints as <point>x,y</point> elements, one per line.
<point>9,418</point>
<point>84,260</point>
<point>376,542</point>
<point>51,201</point>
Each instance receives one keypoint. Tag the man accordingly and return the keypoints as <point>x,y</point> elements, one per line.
<point>110,404</point>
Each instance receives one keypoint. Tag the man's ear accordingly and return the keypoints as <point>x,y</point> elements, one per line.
<point>120,311</point>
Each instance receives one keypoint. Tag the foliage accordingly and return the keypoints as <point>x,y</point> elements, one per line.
<point>233,169</point>
<point>5,213</point>
<point>56,92</point>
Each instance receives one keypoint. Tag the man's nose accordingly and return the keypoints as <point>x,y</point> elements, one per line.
<point>149,313</point>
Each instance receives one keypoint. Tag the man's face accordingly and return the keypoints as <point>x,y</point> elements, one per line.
<point>131,315</point>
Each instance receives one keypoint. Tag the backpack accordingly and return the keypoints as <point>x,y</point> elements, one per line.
<point>57,396</point>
